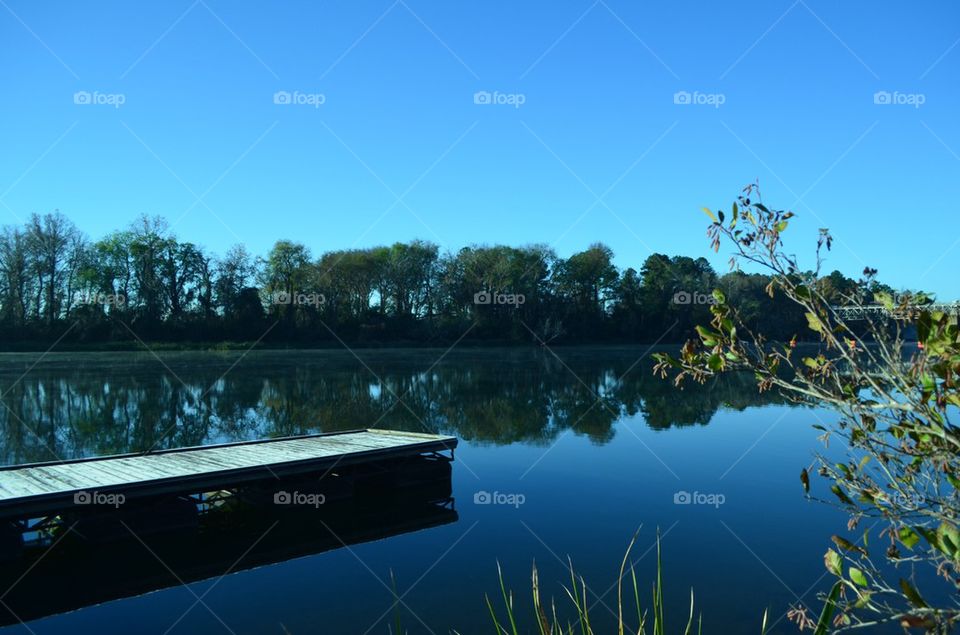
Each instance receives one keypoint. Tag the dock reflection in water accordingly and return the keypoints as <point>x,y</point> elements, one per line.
<point>79,561</point>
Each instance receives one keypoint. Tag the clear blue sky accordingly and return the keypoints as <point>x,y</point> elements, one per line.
<point>198,138</point>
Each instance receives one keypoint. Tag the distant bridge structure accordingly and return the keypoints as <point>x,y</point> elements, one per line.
<point>853,313</point>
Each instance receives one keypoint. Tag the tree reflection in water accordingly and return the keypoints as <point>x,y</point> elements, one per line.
<point>72,405</point>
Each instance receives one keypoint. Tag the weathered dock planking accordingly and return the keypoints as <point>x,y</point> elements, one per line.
<point>40,487</point>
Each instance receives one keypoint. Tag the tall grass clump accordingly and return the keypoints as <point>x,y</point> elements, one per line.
<point>639,622</point>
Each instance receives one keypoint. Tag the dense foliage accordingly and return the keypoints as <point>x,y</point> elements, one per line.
<point>143,283</point>
<point>898,560</point>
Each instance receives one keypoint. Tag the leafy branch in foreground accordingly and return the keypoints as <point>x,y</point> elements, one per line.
<point>893,399</point>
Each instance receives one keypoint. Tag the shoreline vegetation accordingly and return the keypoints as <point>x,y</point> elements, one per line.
<point>59,288</point>
<point>134,346</point>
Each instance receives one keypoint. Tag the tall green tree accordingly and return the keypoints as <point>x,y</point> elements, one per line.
<point>148,247</point>
<point>233,273</point>
<point>286,275</point>
<point>49,239</point>
<point>15,282</point>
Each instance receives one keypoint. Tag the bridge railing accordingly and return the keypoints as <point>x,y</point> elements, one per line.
<point>852,313</point>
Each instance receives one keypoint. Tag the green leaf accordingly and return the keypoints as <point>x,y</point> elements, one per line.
<point>841,495</point>
<point>814,322</point>
<point>829,608</point>
<point>908,537</point>
<point>924,326</point>
<point>805,479</point>
<point>709,338</point>
<point>912,594</point>
<point>833,562</point>
<point>884,298</point>
<point>782,226</point>
<point>929,535</point>
<point>857,576</point>
<point>846,545</point>
<point>949,539</point>
<point>719,297</point>
<point>715,362</point>
<point>710,214</point>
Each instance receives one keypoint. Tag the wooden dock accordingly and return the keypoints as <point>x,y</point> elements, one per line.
<point>40,488</point>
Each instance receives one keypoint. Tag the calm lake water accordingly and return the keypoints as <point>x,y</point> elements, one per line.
<point>576,450</point>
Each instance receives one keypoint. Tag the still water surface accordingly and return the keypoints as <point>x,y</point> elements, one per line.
<point>576,449</point>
